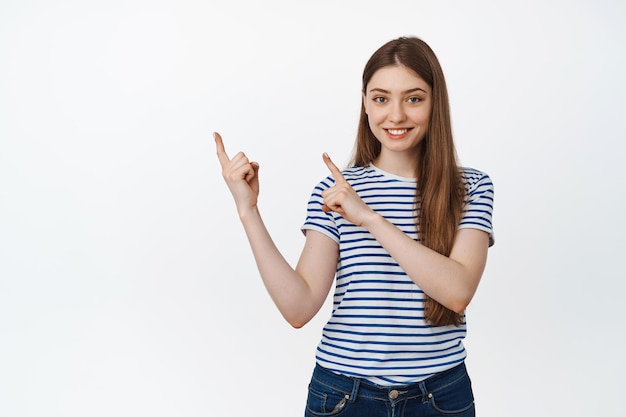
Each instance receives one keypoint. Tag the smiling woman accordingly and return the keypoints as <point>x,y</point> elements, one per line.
<point>398,105</point>
<point>403,233</point>
<point>126,286</point>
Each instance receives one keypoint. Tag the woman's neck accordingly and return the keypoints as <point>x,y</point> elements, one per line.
<point>396,163</point>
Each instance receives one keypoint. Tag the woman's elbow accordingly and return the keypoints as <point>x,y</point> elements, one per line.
<point>460,308</point>
<point>297,322</point>
<point>459,301</point>
<point>297,325</point>
<point>459,305</point>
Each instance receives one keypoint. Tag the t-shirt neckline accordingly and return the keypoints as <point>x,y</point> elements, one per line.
<point>390,175</point>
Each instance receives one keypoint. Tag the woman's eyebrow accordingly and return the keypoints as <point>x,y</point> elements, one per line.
<point>412,90</point>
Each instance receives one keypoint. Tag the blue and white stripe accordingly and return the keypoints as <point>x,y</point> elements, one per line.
<point>377,329</point>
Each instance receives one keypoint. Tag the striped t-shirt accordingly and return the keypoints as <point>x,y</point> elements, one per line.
<point>377,329</point>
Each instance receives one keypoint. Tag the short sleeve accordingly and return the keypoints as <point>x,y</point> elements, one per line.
<point>478,209</point>
<point>318,220</point>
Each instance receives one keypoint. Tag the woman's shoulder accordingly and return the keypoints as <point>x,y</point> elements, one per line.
<point>474,178</point>
<point>472,174</point>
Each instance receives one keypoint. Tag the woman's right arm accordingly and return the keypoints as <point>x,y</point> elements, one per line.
<point>298,293</point>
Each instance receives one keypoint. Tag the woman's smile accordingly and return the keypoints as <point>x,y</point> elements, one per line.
<point>397,133</point>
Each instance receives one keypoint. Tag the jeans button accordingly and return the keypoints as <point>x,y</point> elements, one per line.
<point>393,394</point>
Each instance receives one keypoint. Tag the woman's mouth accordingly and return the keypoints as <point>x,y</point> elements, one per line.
<point>397,133</point>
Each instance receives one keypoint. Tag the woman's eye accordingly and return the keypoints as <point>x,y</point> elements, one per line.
<point>414,99</point>
<point>379,99</point>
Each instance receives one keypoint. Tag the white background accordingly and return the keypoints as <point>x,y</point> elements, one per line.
<point>127,287</point>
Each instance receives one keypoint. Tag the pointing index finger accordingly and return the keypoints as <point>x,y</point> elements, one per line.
<point>336,173</point>
<point>221,152</point>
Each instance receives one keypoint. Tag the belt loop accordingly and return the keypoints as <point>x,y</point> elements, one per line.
<point>422,386</point>
<point>355,389</point>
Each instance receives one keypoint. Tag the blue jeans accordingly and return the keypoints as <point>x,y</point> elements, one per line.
<point>448,393</point>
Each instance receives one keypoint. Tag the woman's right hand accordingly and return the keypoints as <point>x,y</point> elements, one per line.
<point>241,176</point>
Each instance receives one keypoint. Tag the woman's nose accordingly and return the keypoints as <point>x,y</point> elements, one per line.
<point>397,113</point>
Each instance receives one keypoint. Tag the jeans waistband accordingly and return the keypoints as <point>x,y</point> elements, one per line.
<point>355,387</point>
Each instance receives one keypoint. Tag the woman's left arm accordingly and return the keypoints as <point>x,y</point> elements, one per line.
<point>450,280</point>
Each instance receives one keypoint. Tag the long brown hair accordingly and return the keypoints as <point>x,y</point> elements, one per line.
<point>440,192</point>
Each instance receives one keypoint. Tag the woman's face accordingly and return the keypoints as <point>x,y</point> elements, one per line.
<point>398,104</point>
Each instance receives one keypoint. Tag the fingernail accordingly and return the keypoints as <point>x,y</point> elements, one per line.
<point>326,155</point>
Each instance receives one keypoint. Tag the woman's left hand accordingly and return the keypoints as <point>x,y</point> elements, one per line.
<point>342,199</point>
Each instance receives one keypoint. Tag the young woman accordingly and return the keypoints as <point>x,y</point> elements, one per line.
<point>403,233</point>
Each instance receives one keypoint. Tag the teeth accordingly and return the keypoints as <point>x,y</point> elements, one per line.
<point>397,131</point>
